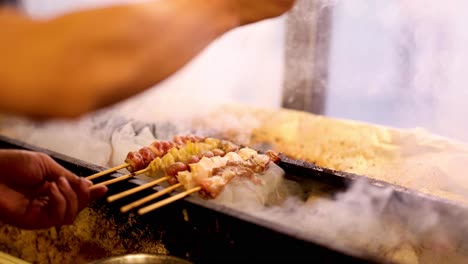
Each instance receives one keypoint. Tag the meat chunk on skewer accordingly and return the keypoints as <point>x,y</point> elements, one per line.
<point>160,148</point>
<point>140,159</point>
<point>135,160</point>
<point>147,155</point>
<point>173,170</point>
<point>177,167</point>
<point>218,152</point>
<point>213,186</point>
<point>212,175</point>
<point>193,159</point>
<point>182,140</point>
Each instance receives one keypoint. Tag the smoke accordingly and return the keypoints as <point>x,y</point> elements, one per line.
<point>74,138</point>
<point>401,63</point>
<point>436,38</point>
<point>364,219</point>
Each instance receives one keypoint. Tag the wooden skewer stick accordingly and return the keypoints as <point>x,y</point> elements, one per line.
<point>102,173</point>
<point>135,204</point>
<point>121,178</point>
<point>167,201</point>
<point>126,193</point>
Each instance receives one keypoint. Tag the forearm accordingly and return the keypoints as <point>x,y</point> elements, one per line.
<point>90,59</point>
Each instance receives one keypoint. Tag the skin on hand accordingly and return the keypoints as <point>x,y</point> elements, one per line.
<point>252,11</point>
<point>38,193</point>
<point>79,62</point>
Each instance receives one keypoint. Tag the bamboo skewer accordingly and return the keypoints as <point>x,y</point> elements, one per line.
<point>126,193</point>
<point>121,178</point>
<point>102,173</point>
<point>146,199</point>
<point>167,201</point>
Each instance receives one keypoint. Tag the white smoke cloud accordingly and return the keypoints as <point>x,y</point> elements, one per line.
<point>401,63</point>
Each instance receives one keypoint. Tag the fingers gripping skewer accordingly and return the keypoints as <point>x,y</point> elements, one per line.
<point>142,201</point>
<point>167,201</point>
<point>121,178</point>
<point>121,195</point>
<point>102,173</point>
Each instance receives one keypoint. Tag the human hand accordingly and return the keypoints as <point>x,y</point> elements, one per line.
<point>250,11</point>
<point>37,193</point>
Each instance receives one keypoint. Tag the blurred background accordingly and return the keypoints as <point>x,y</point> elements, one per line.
<point>399,63</point>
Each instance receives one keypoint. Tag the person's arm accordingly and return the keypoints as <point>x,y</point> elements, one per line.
<point>82,61</point>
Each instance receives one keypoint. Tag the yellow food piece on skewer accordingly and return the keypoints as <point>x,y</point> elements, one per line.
<point>158,166</point>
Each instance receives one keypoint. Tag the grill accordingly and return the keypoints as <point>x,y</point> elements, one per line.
<point>203,232</point>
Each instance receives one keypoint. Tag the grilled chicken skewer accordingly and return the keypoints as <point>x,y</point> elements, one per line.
<point>138,160</point>
<point>246,164</point>
<point>175,160</point>
<point>213,160</point>
<point>203,165</point>
<point>209,176</point>
<point>171,172</point>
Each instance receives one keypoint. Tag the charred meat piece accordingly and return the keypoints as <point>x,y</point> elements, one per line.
<point>160,148</point>
<point>135,160</point>
<point>182,140</point>
<point>147,155</point>
<point>174,169</point>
